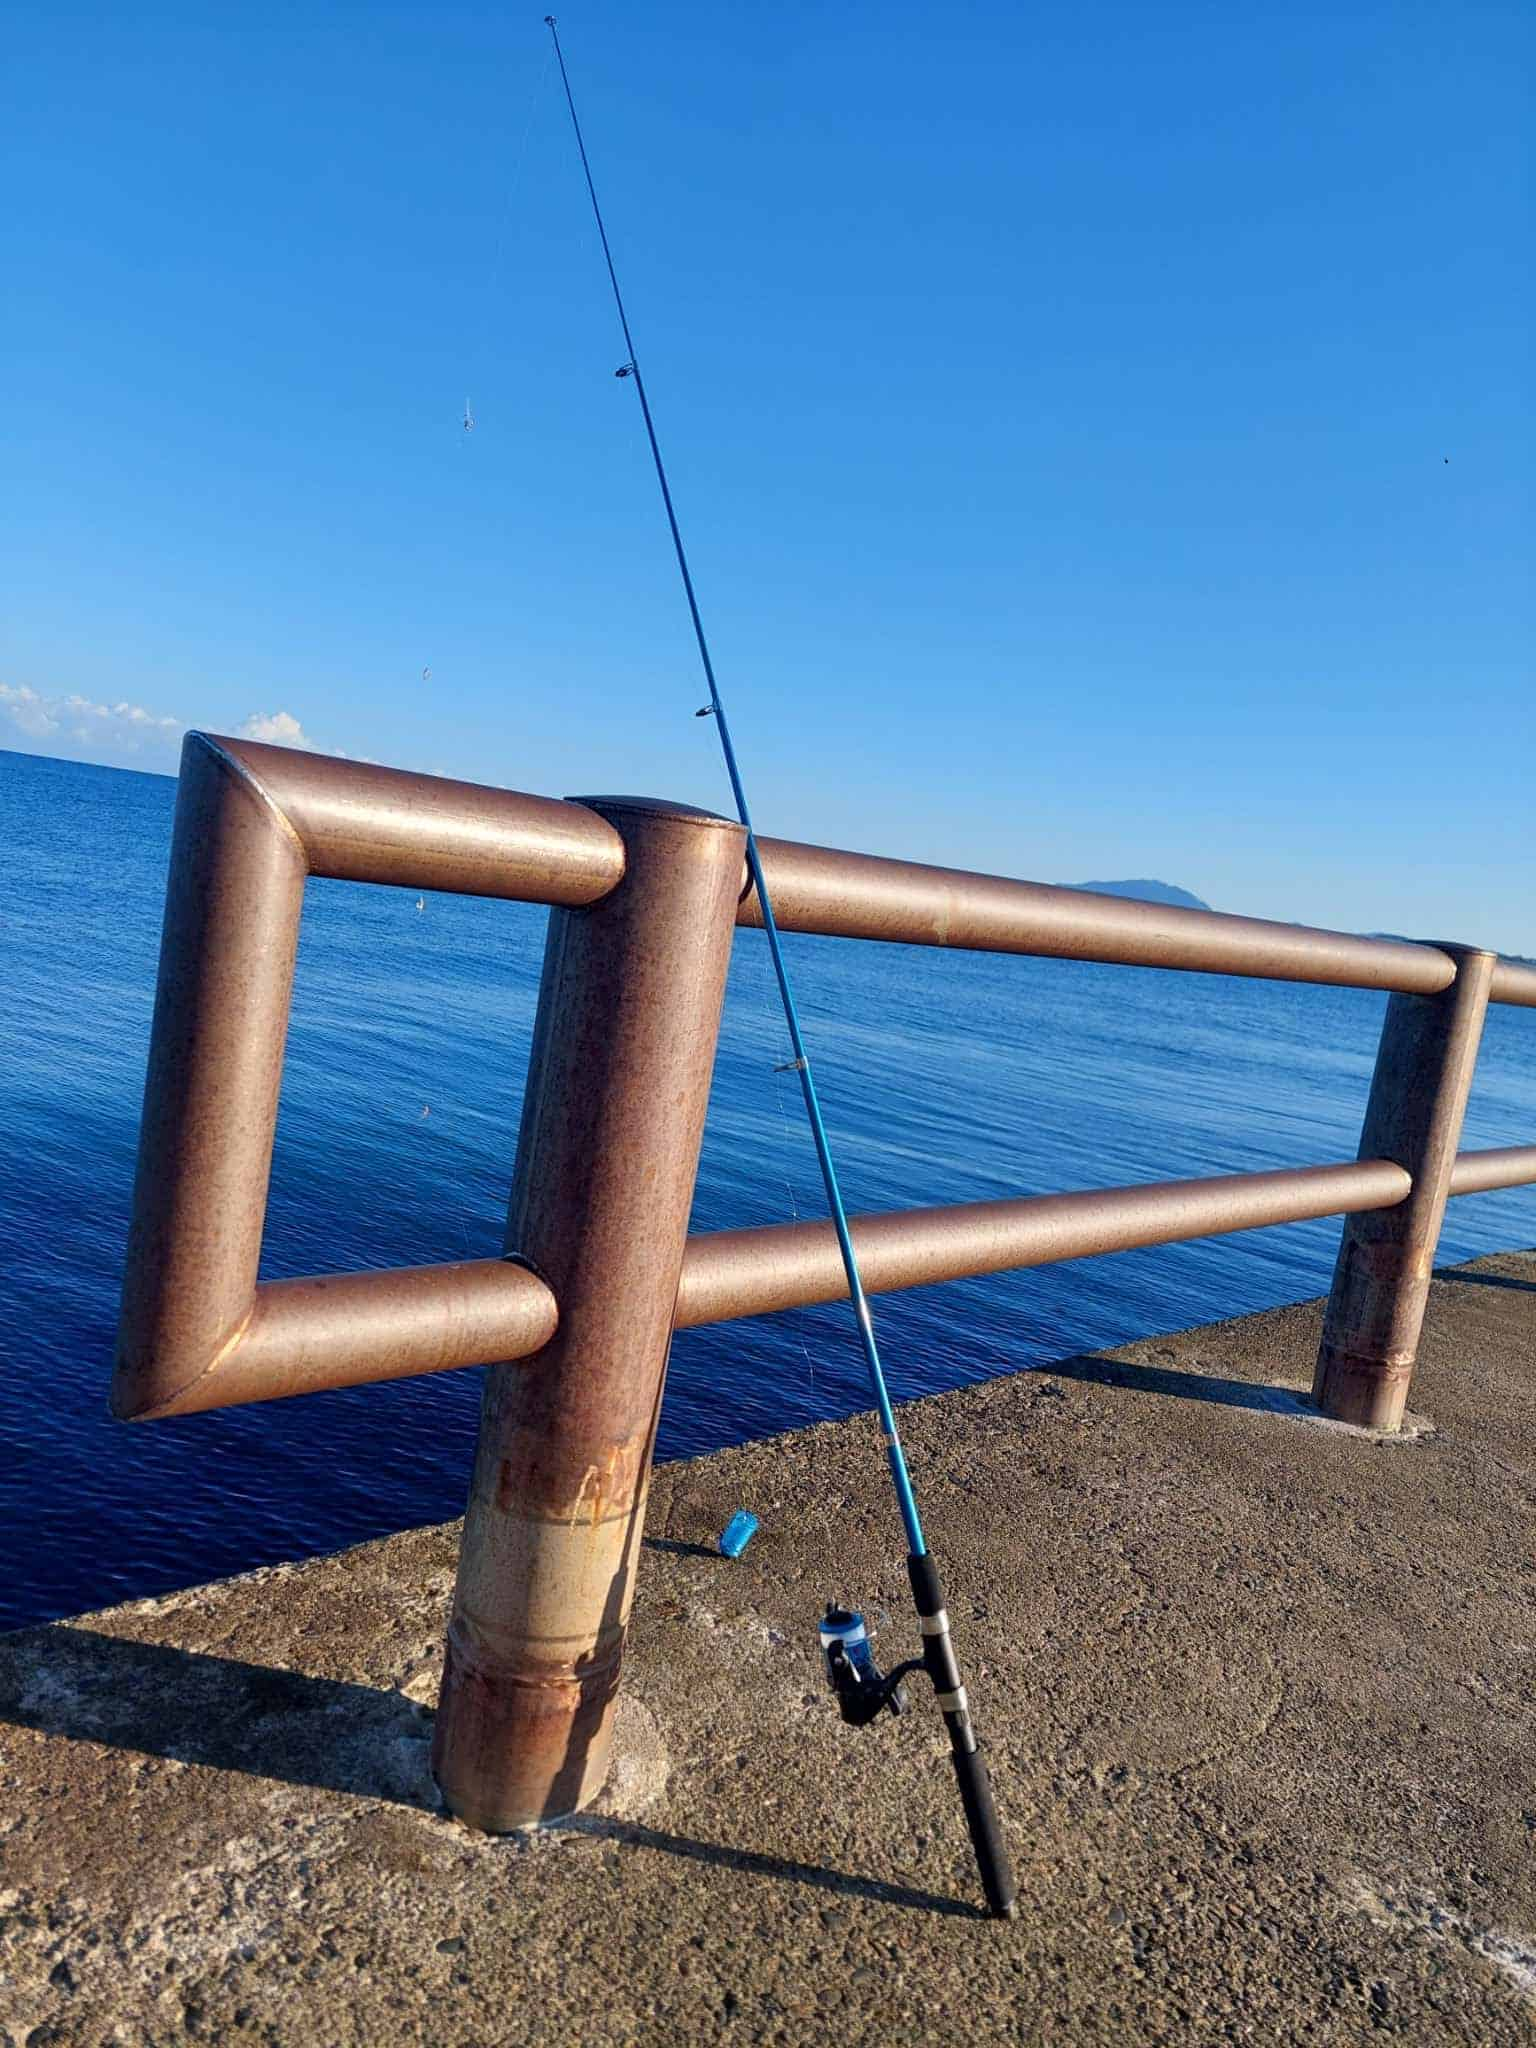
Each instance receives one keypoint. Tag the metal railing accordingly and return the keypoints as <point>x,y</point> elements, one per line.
<point>599,1268</point>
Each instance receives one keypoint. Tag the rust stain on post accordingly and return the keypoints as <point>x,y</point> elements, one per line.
<point>624,1046</point>
<point>1419,1090</point>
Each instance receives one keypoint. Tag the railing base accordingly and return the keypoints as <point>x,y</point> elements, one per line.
<point>1361,1391</point>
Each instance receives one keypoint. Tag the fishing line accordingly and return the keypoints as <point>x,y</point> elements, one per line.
<point>819,1499</point>
<point>488,324</point>
<point>798,1320</point>
<point>794,1211</point>
<point>861,1690</point>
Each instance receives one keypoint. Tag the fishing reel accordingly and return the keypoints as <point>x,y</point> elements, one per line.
<point>862,1691</point>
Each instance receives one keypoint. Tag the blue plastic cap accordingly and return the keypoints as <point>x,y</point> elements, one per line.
<point>737,1533</point>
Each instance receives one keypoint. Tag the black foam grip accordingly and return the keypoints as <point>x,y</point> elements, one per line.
<point>927,1593</point>
<point>986,1835</point>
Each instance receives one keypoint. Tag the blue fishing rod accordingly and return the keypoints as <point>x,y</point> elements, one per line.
<point>862,1692</point>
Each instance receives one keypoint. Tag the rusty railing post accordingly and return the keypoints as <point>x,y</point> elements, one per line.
<point>618,1082</point>
<point>1419,1092</point>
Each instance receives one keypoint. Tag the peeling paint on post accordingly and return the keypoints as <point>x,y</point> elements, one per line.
<point>623,1050</point>
<point>1419,1090</point>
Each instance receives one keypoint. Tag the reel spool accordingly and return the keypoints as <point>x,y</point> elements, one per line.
<point>862,1692</point>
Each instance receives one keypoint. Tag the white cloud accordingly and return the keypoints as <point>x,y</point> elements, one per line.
<point>78,728</point>
<point>282,729</point>
<point>27,711</point>
<point>76,721</point>
<point>278,729</point>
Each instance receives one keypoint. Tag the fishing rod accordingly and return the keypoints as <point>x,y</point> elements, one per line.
<point>862,1692</point>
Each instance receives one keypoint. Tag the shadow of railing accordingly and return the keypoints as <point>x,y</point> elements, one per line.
<point>1489,1280</point>
<point>1183,1386</point>
<point>216,1711</point>
<point>330,1734</point>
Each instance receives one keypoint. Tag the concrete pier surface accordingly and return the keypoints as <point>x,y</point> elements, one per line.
<point>1259,1694</point>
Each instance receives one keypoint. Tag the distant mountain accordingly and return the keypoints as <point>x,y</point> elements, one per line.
<point>1143,891</point>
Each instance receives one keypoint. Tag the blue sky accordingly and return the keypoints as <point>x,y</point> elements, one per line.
<point>1104,433</point>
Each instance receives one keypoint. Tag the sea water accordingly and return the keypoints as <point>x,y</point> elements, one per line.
<point>948,1077</point>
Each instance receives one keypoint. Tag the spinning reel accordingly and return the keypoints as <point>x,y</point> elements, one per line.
<point>862,1691</point>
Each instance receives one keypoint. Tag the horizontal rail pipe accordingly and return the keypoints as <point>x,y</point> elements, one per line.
<point>359,823</point>
<point>349,1329</point>
<point>832,894</point>
<point>1477,1173</point>
<point>733,1273</point>
<point>859,896</point>
<point>1514,981</point>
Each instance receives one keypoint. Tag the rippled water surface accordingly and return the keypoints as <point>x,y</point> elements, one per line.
<point>948,1078</point>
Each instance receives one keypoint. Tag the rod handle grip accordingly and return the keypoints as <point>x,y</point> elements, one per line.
<point>997,1879</point>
